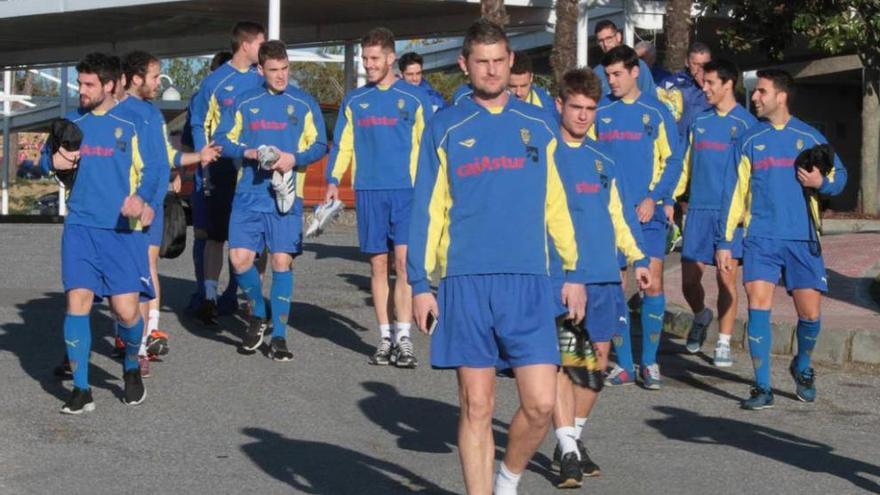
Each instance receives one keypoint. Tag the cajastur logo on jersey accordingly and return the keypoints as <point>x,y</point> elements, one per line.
<point>585,187</point>
<point>489,164</point>
<point>373,121</point>
<point>267,125</point>
<point>86,150</point>
<point>710,145</point>
<point>773,162</point>
<point>617,135</point>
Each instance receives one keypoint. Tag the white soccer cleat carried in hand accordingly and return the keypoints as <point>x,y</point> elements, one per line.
<point>284,186</point>
<point>325,214</point>
<point>267,155</point>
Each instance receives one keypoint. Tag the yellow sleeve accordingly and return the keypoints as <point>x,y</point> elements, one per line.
<point>172,153</point>
<point>662,152</point>
<point>345,155</point>
<point>740,199</point>
<point>309,133</point>
<point>437,245</point>
<point>623,236</point>
<point>681,188</point>
<point>418,128</point>
<point>234,134</point>
<point>559,223</point>
<point>212,118</point>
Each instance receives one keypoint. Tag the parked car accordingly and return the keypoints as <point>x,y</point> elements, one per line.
<point>46,204</point>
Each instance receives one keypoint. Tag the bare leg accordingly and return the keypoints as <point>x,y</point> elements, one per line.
<point>476,445</point>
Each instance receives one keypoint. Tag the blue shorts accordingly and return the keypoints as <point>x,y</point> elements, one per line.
<point>105,261</point>
<point>256,230</point>
<point>503,320</point>
<point>798,262</point>
<point>223,177</point>
<point>701,233</point>
<point>605,304</point>
<point>156,229</point>
<point>383,219</point>
<point>654,233</point>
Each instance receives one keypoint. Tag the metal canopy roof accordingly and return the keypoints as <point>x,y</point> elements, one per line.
<point>46,32</point>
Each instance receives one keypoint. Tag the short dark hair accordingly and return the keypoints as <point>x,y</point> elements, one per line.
<point>106,67</point>
<point>245,31</point>
<point>136,63</point>
<point>272,50</point>
<point>698,47</point>
<point>580,82</point>
<point>726,70</point>
<point>484,32</point>
<point>522,63</point>
<point>603,25</point>
<point>220,58</point>
<point>781,79</point>
<point>379,36</point>
<point>621,53</point>
<point>408,59</point>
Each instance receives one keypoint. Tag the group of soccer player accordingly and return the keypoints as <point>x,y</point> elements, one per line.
<point>527,208</point>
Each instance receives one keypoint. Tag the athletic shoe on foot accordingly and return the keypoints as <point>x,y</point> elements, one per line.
<point>63,370</point>
<point>324,215</point>
<point>758,399</point>
<point>284,185</point>
<point>118,351</point>
<point>254,336</point>
<point>570,475</point>
<point>278,349</point>
<point>697,334</point>
<point>207,313</point>
<point>723,358</point>
<point>80,401</point>
<point>588,467</point>
<point>135,393</point>
<point>403,355</point>
<point>619,376</point>
<point>144,365</point>
<point>382,356</point>
<point>651,377</point>
<point>805,383</point>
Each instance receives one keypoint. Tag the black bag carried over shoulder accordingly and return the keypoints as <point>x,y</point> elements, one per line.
<point>174,233</point>
<point>821,156</point>
<point>64,134</point>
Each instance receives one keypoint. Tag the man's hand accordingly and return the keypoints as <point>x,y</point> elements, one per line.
<point>574,297</point>
<point>810,179</point>
<point>643,277</point>
<point>669,210</point>
<point>133,207</point>
<point>285,163</point>
<point>210,153</point>
<point>645,210</point>
<point>724,260</point>
<point>176,183</point>
<point>251,154</point>
<point>332,193</point>
<point>147,216</point>
<point>65,160</point>
<point>422,305</point>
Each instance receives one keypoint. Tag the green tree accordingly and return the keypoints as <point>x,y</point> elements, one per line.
<point>187,73</point>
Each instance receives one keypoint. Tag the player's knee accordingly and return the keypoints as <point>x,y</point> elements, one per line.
<point>809,314</point>
<point>128,315</point>
<point>281,262</point>
<point>379,264</point>
<point>539,408</point>
<point>477,408</point>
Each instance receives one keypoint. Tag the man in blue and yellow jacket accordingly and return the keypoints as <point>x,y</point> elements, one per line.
<point>487,191</point>
<point>377,137</point>
<point>279,115</point>
<point>522,85</point>
<point>777,205</point>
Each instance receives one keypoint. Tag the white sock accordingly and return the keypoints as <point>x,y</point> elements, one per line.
<point>567,440</point>
<point>211,290</point>
<point>724,339</point>
<point>385,330</point>
<point>401,330</point>
<point>152,320</point>
<point>506,482</point>
<point>579,424</point>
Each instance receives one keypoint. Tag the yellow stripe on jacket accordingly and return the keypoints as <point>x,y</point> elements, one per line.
<point>557,216</point>
<point>624,238</point>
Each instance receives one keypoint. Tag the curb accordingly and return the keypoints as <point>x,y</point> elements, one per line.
<point>849,225</point>
<point>835,347</point>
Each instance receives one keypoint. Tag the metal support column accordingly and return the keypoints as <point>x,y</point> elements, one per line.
<point>274,19</point>
<point>64,92</point>
<point>583,36</point>
<point>350,79</point>
<point>7,148</point>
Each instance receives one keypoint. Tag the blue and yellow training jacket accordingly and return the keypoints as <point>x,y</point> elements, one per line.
<point>217,93</point>
<point>291,121</point>
<point>162,151</point>
<point>487,192</point>
<point>377,134</point>
<point>765,196</point>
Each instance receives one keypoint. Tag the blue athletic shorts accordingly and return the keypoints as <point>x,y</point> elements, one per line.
<point>701,232</point>
<point>503,320</point>
<point>255,230</point>
<point>654,233</point>
<point>156,229</point>
<point>798,262</point>
<point>383,219</point>
<point>218,201</point>
<point>105,261</point>
<point>605,304</point>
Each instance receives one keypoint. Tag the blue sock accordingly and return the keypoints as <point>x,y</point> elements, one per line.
<point>759,345</point>
<point>281,295</point>
<point>653,309</point>
<point>249,281</point>
<point>231,288</point>
<point>199,265</point>
<point>78,339</point>
<point>807,334</point>
<point>623,344</point>
<point>132,336</point>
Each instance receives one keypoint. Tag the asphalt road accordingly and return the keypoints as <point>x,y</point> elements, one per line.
<point>217,421</point>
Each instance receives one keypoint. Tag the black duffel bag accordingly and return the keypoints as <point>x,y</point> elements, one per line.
<point>174,233</point>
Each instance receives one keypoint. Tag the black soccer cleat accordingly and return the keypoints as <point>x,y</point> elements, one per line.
<point>278,350</point>
<point>254,336</point>
<point>135,393</point>
<point>80,401</point>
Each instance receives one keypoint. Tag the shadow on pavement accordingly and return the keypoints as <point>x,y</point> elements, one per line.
<point>321,323</point>
<point>175,298</point>
<point>322,468</point>
<point>323,251</point>
<point>850,290</point>
<point>796,451</point>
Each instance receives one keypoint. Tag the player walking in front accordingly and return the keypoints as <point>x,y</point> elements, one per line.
<point>277,130</point>
<point>377,137</point>
<point>487,192</point>
<point>778,206</point>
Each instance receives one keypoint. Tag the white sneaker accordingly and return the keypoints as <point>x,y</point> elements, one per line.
<point>722,358</point>
<point>325,214</point>
<point>267,155</point>
<point>284,186</point>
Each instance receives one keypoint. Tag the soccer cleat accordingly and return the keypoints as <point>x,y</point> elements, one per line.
<point>118,351</point>
<point>403,355</point>
<point>157,344</point>
<point>284,185</point>
<point>619,376</point>
<point>63,370</point>
<point>758,399</point>
<point>144,366</point>
<point>805,383</point>
<point>135,393</point>
<point>697,334</point>
<point>267,155</point>
<point>570,474</point>
<point>382,356</point>
<point>650,376</point>
<point>588,467</point>
<point>324,215</point>
<point>673,238</point>
<point>723,358</point>
<point>254,336</point>
<point>207,313</point>
<point>80,401</point>
<point>278,350</point>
